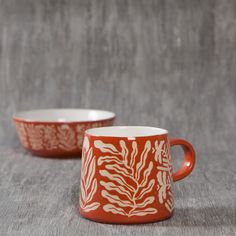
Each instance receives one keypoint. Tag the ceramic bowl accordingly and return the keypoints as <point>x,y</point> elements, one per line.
<point>58,132</point>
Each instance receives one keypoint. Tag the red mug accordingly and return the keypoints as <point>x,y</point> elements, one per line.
<point>126,174</point>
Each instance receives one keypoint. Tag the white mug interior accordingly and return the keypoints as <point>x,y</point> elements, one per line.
<point>126,131</point>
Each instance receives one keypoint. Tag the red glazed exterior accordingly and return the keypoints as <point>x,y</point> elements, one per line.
<point>55,139</point>
<point>128,181</point>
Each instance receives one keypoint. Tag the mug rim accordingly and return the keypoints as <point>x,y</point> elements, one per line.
<point>119,131</point>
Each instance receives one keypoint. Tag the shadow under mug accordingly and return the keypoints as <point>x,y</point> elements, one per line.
<point>126,174</point>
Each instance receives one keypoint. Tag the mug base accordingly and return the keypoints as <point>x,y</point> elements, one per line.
<point>130,222</point>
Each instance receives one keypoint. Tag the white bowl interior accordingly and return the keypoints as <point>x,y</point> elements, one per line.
<point>126,131</point>
<point>64,115</point>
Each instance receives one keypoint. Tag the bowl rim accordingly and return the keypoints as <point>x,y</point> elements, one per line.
<point>16,117</point>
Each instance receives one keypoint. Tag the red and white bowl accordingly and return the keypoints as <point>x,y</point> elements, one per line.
<point>58,132</point>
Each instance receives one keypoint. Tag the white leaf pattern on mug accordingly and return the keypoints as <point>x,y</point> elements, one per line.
<point>88,182</point>
<point>164,174</point>
<point>127,185</point>
<point>169,204</point>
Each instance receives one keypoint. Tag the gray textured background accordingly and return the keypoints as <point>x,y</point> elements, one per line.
<point>170,64</point>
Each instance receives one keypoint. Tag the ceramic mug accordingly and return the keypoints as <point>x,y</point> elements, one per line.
<point>126,174</point>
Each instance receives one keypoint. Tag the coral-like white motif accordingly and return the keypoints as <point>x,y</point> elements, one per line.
<point>20,128</point>
<point>128,182</point>
<point>86,144</point>
<point>164,173</point>
<point>169,204</point>
<point>82,128</point>
<point>66,137</point>
<point>80,132</point>
<point>50,137</point>
<point>88,180</point>
<point>35,135</point>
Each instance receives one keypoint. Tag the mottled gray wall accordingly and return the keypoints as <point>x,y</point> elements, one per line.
<point>162,63</point>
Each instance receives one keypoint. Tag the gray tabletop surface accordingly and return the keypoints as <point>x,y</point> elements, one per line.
<point>161,63</point>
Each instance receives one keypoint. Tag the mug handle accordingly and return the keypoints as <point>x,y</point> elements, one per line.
<point>189,159</point>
